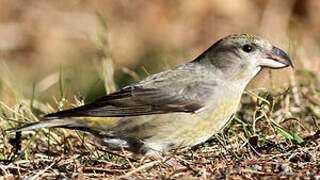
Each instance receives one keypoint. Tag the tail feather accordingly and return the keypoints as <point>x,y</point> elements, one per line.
<point>65,122</point>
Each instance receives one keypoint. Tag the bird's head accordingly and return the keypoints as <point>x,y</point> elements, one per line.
<point>242,56</point>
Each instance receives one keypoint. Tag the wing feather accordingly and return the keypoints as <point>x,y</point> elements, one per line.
<point>151,96</point>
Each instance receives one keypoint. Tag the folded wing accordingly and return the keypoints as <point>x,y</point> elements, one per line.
<point>137,100</point>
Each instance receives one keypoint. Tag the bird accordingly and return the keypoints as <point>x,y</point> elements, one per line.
<point>176,108</point>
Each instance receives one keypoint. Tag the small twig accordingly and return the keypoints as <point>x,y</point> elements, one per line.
<point>256,96</point>
<point>294,89</point>
<point>145,166</point>
<point>295,119</point>
<point>127,159</point>
<point>41,172</point>
<point>133,74</point>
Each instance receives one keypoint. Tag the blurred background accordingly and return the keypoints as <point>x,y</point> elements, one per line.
<point>80,45</point>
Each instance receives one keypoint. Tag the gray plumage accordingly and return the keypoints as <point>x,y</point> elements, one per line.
<point>175,108</point>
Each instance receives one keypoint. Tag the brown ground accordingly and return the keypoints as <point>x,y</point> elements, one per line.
<point>57,54</point>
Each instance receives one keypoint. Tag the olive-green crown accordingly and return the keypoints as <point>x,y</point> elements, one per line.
<point>243,36</point>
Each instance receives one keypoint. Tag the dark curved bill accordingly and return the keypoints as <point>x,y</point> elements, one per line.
<point>283,57</point>
<point>277,58</point>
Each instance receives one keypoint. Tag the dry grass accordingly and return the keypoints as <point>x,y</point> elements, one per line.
<point>57,55</point>
<point>242,151</point>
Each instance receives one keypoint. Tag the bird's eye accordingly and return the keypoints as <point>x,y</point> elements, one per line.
<point>247,48</point>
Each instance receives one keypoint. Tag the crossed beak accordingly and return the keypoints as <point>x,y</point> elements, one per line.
<point>276,59</point>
